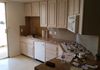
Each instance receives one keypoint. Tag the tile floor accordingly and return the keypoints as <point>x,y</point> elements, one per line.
<point>18,63</point>
<point>3,52</point>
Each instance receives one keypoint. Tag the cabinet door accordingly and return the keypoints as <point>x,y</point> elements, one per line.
<point>28,10</point>
<point>61,6</point>
<point>23,48</point>
<point>43,14</point>
<point>27,47</point>
<point>35,9</point>
<point>30,50</point>
<point>76,7</point>
<point>40,51</point>
<point>51,51</point>
<point>71,7</point>
<point>51,13</point>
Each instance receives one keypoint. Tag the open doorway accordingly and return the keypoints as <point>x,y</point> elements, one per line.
<point>3,34</point>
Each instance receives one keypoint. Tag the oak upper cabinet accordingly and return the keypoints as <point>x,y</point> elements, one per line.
<point>70,7</point>
<point>32,9</point>
<point>51,13</point>
<point>28,9</point>
<point>76,7</point>
<point>35,8</point>
<point>43,14</point>
<point>73,7</point>
<point>62,13</point>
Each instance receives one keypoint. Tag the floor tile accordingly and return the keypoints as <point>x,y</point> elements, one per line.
<point>18,63</point>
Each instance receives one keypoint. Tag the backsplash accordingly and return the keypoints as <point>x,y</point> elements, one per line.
<point>62,34</point>
<point>90,42</point>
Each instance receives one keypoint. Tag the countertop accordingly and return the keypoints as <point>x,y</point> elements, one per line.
<point>54,41</point>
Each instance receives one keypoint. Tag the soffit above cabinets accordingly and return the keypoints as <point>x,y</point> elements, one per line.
<point>20,0</point>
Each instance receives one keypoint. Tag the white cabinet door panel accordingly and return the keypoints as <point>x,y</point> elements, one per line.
<point>27,47</point>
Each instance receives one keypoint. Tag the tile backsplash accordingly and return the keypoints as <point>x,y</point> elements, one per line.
<point>88,41</point>
<point>62,34</point>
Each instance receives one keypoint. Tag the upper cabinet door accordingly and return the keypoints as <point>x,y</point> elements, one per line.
<point>35,9</point>
<point>61,13</point>
<point>51,13</point>
<point>71,7</point>
<point>76,7</point>
<point>73,15</point>
<point>43,14</point>
<point>28,10</point>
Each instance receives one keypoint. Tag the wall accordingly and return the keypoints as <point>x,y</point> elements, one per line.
<point>90,42</point>
<point>63,34</point>
<point>15,17</point>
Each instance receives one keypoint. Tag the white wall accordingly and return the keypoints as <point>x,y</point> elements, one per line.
<point>15,17</point>
<point>90,42</point>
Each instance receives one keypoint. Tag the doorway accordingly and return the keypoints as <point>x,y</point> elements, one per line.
<point>3,34</point>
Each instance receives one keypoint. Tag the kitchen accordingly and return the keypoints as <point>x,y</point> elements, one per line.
<point>54,18</point>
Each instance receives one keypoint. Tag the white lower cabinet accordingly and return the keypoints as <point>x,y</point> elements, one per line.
<point>40,51</point>
<point>27,47</point>
<point>51,51</point>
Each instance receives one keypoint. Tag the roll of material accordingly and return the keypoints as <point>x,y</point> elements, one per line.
<point>50,64</point>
